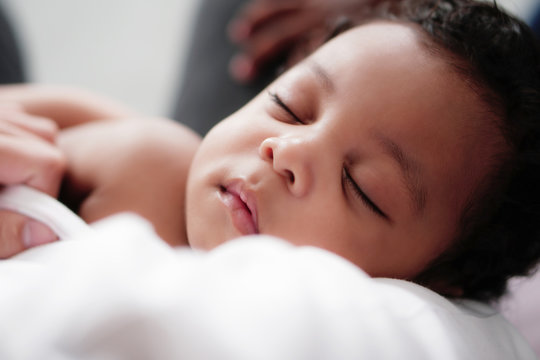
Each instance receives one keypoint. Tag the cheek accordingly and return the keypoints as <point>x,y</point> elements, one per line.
<point>321,223</point>
<point>206,222</point>
<point>220,154</point>
<point>197,197</point>
<point>233,134</point>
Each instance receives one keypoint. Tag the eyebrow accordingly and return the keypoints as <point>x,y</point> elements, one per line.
<point>411,171</point>
<point>322,75</point>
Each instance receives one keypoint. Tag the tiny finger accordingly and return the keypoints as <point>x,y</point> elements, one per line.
<point>18,233</point>
<point>42,127</point>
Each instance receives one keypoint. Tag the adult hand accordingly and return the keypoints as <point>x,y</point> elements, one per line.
<point>28,155</point>
<point>266,29</point>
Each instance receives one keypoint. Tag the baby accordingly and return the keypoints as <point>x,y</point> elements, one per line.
<point>395,154</point>
<point>406,145</point>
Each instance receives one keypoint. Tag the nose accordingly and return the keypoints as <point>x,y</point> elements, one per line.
<point>291,159</point>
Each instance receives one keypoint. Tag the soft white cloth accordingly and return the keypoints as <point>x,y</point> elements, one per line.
<point>119,292</point>
<point>40,206</point>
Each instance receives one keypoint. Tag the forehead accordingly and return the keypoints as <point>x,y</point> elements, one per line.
<point>392,59</point>
<point>380,46</point>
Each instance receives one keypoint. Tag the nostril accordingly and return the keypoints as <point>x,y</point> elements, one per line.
<point>290,176</point>
<point>266,152</point>
<point>269,153</point>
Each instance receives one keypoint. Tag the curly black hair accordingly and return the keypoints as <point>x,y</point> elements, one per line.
<point>499,235</point>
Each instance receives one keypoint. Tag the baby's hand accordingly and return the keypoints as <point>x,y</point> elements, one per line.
<point>67,106</point>
<point>137,165</point>
<point>28,156</point>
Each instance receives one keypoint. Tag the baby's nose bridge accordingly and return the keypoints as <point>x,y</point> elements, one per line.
<point>295,142</point>
<point>296,148</point>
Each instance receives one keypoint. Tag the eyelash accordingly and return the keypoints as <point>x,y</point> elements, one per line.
<point>357,191</point>
<point>275,98</point>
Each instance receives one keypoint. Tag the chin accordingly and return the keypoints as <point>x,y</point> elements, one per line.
<point>205,240</point>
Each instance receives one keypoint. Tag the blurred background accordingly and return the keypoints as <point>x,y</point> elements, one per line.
<point>130,50</point>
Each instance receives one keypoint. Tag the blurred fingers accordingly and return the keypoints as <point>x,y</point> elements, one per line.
<point>13,117</point>
<point>270,43</point>
<point>256,14</point>
<point>18,233</point>
<point>33,162</point>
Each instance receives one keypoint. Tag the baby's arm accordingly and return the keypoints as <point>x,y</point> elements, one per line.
<point>139,165</point>
<point>115,163</point>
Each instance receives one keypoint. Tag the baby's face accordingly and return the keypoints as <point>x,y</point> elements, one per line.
<point>369,148</point>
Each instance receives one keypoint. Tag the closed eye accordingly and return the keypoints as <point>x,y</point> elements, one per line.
<point>275,98</point>
<point>358,193</point>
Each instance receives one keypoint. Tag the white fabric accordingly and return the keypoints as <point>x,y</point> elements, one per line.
<point>121,293</point>
<point>35,204</point>
<point>520,307</point>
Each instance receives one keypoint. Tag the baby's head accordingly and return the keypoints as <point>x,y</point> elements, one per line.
<point>407,145</point>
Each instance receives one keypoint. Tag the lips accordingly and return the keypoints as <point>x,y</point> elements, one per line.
<point>242,207</point>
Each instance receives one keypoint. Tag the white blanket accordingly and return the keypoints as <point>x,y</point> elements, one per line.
<point>119,292</point>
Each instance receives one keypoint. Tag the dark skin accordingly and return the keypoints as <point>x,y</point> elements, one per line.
<point>265,29</point>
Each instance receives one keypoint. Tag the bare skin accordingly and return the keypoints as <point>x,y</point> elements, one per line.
<point>111,159</point>
<point>29,156</point>
<point>139,165</point>
<point>369,155</point>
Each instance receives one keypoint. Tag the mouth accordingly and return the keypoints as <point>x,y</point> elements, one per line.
<point>241,205</point>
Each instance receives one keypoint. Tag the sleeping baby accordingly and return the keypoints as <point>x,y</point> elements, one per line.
<point>406,145</point>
